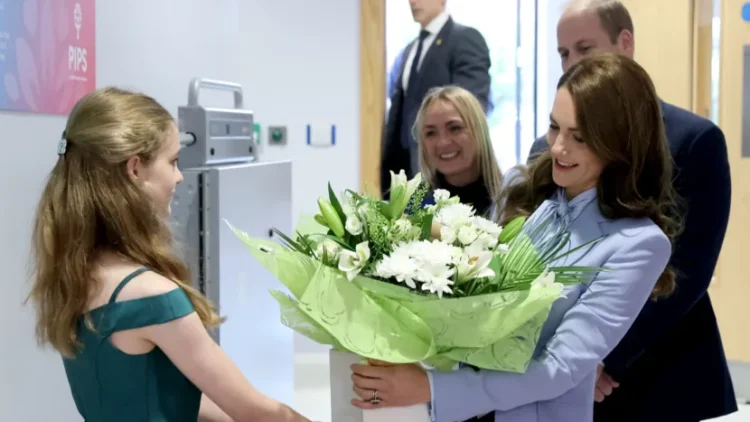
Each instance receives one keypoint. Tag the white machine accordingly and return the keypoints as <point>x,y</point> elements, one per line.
<point>224,180</point>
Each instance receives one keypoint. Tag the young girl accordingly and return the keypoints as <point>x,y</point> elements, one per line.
<point>111,295</point>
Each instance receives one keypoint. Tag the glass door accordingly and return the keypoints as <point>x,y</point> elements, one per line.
<point>509,28</point>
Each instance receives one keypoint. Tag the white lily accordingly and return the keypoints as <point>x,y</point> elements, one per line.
<point>352,263</point>
<point>410,186</point>
<point>348,203</point>
<point>474,264</point>
<point>546,281</point>
<point>402,191</point>
<point>354,225</point>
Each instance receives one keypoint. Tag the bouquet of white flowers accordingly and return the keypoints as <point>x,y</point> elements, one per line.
<point>400,283</point>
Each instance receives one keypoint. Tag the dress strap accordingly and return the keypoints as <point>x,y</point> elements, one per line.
<point>125,281</point>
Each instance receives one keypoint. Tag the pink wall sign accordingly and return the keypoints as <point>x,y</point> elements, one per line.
<point>47,54</point>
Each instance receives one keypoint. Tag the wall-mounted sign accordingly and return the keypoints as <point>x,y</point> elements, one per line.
<point>47,54</point>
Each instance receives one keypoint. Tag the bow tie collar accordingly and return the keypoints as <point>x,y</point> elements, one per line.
<point>567,211</point>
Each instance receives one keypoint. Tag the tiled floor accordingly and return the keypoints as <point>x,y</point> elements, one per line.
<point>312,386</point>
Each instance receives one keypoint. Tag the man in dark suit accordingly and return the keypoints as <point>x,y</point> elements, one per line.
<point>671,364</point>
<point>445,53</point>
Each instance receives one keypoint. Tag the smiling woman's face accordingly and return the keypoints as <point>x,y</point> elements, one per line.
<point>449,145</point>
<point>575,167</point>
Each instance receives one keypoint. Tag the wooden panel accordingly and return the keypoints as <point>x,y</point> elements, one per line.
<point>702,52</point>
<point>731,292</point>
<point>371,92</point>
<point>664,46</point>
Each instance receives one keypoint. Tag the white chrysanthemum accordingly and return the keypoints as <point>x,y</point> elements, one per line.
<point>455,215</point>
<point>467,235</point>
<point>435,252</point>
<point>399,266</point>
<point>485,241</point>
<point>436,278</point>
<point>486,226</point>
<point>431,263</point>
<point>448,234</point>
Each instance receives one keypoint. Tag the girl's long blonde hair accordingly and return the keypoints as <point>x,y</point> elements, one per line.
<point>473,115</point>
<point>89,205</point>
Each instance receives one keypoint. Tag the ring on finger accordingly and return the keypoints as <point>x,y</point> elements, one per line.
<point>375,399</point>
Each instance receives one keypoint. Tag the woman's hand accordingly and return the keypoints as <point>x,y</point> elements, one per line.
<point>393,385</point>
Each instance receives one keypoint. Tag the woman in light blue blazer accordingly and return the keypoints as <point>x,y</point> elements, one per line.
<point>606,176</point>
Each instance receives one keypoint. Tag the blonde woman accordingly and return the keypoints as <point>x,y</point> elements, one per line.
<point>455,149</point>
<point>111,296</point>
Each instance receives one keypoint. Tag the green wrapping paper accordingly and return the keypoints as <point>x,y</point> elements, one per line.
<point>388,322</point>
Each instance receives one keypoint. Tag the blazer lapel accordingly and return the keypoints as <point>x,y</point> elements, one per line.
<point>585,233</point>
<point>407,51</point>
<point>437,49</point>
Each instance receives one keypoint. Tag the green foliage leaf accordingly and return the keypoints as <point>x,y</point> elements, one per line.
<point>336,204</point>
<point>426,227</point>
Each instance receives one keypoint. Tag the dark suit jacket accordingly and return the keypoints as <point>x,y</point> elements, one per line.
<point>461,58</point>
<point>671,364</point>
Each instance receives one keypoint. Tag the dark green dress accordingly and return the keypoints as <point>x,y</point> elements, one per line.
<point>109,385</point>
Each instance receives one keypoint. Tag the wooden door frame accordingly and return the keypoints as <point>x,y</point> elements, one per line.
<point>372,62</point>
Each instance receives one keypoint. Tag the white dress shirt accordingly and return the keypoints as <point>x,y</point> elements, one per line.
<point>434,29</point>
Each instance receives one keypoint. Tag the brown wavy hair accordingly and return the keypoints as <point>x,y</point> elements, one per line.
<point>90,205</point>
<point>619,117</point>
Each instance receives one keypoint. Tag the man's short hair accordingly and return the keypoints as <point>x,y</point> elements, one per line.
<point>614,17</point>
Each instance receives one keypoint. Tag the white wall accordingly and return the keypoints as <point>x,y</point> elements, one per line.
<point>298,63</point>
<point>549,69</point>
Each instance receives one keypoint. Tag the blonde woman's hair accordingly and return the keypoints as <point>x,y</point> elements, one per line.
<point>90,204</point>
<point>473,115</point>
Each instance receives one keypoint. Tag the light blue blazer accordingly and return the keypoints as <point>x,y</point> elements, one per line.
<point>582,329</point>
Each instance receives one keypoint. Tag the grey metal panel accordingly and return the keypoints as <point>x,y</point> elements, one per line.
<point>746,101</point>
<point>254,197</point>
<point>186,224</point>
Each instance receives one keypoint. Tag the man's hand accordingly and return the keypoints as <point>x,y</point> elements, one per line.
<point>604,384</point>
